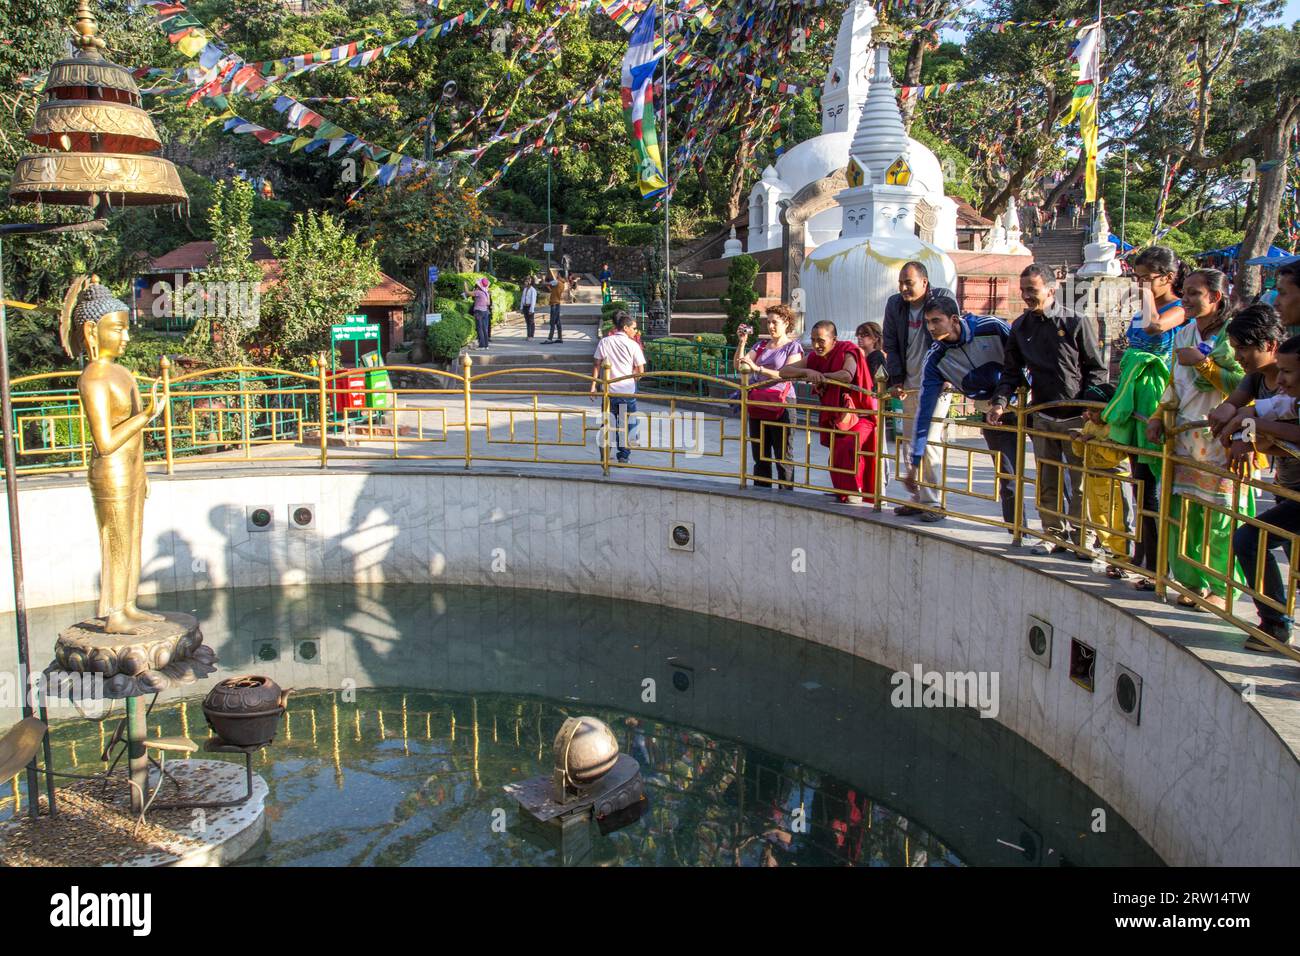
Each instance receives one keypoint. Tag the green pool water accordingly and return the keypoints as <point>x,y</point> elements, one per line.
<point>414,706</point>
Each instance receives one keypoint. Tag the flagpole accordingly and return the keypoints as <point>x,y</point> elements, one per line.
<point>1096,203</point>
<point>668,244</point>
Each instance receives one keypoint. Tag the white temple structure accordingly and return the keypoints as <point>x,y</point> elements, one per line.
<point>845,92</point>
<point>1005,236</point>
<point>1099,255</point>
<point>851,277</point>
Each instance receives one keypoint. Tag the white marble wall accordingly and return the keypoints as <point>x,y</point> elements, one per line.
<point>1204,779</point>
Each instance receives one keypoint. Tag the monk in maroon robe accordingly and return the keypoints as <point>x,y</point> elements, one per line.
<point>830,366</point>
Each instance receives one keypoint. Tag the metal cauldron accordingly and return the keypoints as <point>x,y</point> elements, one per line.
<point>245,711</point>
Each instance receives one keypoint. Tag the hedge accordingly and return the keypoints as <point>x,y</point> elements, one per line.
<point>512,267</point>
<point>636,234</point>
<point>448,337</point>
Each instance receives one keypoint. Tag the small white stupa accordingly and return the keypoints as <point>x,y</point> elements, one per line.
<point>733,246</point>
<point>849,280</point>
<point>1005,236</point>
<point>844,93</point>
<point>1099,255</point>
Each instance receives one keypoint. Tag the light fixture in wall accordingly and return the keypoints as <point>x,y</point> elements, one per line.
<point>681,536</point>
<point>1038,641</point>
<point>1083,664</point>
<point>302,517</point>
<point>307,651</point>
<point>683,676</point>
<point>1128,693</point>
<point>260,517</point>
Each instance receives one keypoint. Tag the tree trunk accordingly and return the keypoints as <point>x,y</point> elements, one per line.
<point>736,192</point>
<point>912,76</point>
<point>1261,222</point>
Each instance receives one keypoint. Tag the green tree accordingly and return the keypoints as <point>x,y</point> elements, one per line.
<point>225,302</point>
<point>740,297</point>
<point>324,273</point>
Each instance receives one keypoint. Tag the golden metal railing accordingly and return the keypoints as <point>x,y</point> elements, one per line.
<point>249,414</point>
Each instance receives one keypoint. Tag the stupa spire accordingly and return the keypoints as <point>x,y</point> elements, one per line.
<point>849,78</point>
<point>880,138</point>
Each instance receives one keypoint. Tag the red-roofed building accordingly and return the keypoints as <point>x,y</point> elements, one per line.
<point>384,304</point>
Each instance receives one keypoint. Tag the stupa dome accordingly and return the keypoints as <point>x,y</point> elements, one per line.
<point>813,159</point>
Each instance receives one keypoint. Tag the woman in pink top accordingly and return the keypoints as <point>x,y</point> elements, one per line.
<point>769,437</point>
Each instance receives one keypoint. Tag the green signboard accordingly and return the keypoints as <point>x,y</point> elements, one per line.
<point>354,333</point>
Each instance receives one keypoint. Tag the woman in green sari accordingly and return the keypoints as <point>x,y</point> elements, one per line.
<point>1205,372</point>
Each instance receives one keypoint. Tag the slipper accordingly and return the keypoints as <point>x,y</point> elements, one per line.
<point>1185,601</point>
<point>1144,585</point>
<point>1115,573</point>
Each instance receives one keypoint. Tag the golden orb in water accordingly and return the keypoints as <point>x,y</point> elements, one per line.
<point>585,750</point>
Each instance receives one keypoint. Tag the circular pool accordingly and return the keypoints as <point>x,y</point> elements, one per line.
<point>415,705</point>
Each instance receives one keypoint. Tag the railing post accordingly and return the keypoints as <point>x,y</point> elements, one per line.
<point>166,368</point>
<point>744,435</point>
<point>465,364</point>
<point>1017,534</point>
<point>878,498</point>
<point>323,368</point>
<point>244,430</point>
<point>1166,501</point>
<point>605,369</point>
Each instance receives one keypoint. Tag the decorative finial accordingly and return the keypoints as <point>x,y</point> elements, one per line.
<point>884,33</point>
<point>87,30</point>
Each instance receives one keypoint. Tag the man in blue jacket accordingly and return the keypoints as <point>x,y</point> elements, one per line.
<point>968,355</point>
<point>906,344</point>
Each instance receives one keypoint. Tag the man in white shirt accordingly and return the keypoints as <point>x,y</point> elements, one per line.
<point>626,361</point>
<point>528,304</point>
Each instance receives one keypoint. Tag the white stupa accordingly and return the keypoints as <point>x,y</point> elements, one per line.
<point>1005,236</point>
<point>848,84</point>
<point>1099,255</point>
<point>733,246</point>
<point>849,279</point>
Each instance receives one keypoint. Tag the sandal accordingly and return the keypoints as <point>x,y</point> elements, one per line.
<point>1144,585</point>
<point>1115,573</point>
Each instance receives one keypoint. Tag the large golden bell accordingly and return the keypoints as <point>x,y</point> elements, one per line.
<point>92,119</point>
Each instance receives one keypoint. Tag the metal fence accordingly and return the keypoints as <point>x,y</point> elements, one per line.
<point>219,416</point>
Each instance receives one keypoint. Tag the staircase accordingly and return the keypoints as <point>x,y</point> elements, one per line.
<point>698,306</point>
<point>1060,247</point>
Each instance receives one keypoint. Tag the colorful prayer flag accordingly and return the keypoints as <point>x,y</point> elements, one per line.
<point>639,65</point>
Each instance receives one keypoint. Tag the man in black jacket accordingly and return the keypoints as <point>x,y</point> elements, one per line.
<point>1057,347</point>
<point>907,341</point>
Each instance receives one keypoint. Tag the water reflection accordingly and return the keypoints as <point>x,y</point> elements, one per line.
<point>758,748</point>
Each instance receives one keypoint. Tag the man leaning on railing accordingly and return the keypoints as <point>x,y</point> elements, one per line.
<point>1057,347</point>
<point>968,354</point>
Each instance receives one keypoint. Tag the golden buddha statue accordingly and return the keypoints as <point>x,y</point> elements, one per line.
<point>97,326</point>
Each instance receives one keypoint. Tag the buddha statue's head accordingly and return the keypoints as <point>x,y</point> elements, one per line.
<point>100,324</point>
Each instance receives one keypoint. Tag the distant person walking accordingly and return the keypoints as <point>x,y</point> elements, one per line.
<point>557,286</point>
<point>481,307</point>
<point>606,277</point>
<point>528,305</point>
<point>626,363</point>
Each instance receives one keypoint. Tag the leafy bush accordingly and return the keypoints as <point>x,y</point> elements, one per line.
<point>450,306</point>
<point>740,297</point>
<point>503,300</point>
<point>146,348</point>
<point>453,284</point>
<point>607,309</point>
<point>636,234</point>
<point>515,268</point>
<point>448,337</point>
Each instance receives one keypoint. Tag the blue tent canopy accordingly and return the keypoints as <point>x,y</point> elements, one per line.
<point>1273,261</point>
<point>1231,252</point>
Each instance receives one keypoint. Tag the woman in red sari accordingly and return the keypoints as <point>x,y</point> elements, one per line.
<point>832,365</point>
